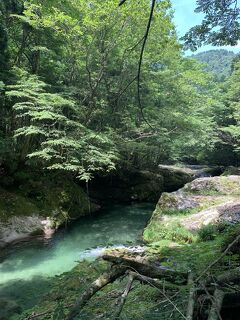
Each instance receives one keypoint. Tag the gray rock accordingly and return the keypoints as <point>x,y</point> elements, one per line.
<point>19,228</point>
<point>201,202</point>
<point>228,212</point>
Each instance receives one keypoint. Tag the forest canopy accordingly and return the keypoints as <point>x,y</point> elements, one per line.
<point>68,90</point>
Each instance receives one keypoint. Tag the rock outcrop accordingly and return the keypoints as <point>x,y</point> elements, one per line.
<point>38,206</point>
<point>135,185</point>
<point>202,202</point>
<point>127,185</point>
<point>176,177</point>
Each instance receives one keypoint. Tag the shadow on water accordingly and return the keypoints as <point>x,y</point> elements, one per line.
<point>25,272</point>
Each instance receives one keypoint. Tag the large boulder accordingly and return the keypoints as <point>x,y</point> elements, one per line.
<point>39,205</point>
<point>227,212</point>
<point>176,176</point>
<point>202,202</point>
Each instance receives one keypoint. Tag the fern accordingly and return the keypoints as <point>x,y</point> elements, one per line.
<point>49,125</point>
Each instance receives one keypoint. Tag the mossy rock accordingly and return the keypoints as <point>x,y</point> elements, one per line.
<point>231,171</point>
<point>56,196</point>
<point>180,216</point>
<point>14,204</point>
<point>225,185</point>
<point>39,201</point>
<point>127,185</point>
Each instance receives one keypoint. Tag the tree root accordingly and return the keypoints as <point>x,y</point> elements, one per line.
<point>192,296</point>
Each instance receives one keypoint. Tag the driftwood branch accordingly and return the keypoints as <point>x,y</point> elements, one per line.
<point>216,307</point>
<point>123,297</point>
<point>191,299</point>
<point>44,313</point>
<point>155,283</point>
<point>122,2</point>
<point>159,285</point>
<point>147,269</point>
<point>230,276</point>
<point>102,281</point>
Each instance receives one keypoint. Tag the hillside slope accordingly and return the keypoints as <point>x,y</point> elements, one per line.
<point>217,61</point>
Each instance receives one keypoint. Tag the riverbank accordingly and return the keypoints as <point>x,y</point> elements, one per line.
<point>32,270</point>
<point>37,203</point>
<point>179,249</point>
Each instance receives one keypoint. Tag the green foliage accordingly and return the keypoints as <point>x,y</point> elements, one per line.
<point>219,62</point>
<point>219,27</point>
<point>74,107</point>
<point>208,232</point>
<point>230,133</point>
<point>49,131</point>
<point>173,232</point>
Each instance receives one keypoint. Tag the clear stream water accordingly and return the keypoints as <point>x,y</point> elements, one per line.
<point>30,263</point>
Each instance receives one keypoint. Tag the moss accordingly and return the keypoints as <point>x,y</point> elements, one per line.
<point>56,196</point>
<point>159,246</point>
<point>195,256</point>
<point>37,232</point>
<point>47,195</point>
<point>66,288</point>
<point>172,231</point>
<point>224,185</point>
<point>14,204</point>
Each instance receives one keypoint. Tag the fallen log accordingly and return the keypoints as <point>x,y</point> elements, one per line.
<point>106,278</point>
<point>230,276</point>
<point>219,257</point>
<point>147,269</point>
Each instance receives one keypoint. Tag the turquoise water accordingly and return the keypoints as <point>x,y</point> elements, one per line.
<point>115,226</point>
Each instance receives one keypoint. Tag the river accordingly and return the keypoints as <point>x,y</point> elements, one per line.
<point>116,225</point>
